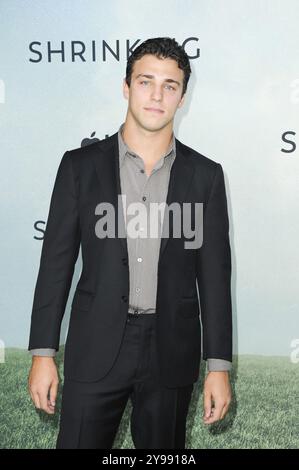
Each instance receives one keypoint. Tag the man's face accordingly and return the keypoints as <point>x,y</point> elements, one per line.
<point>155,83</point>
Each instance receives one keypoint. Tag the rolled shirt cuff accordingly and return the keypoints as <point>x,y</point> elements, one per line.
<point>214,365</point>
<point>43,352</point>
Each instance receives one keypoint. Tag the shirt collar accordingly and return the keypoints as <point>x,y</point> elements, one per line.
<point>124,148</point>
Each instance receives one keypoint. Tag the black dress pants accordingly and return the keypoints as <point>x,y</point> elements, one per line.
<point>91,412</point>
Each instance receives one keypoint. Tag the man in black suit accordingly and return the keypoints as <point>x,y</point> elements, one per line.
<point>136,320</point>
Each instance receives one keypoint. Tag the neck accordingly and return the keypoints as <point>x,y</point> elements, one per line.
<point>150,145</point>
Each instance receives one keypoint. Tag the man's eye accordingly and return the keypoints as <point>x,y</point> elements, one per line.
<point>169,86</point>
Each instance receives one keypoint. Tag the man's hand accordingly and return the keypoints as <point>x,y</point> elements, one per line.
<point>216,389</point>
<point>43,378</point>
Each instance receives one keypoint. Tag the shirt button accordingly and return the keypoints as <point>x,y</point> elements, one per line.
<point>144,198</point>
<point>137,289</point>
<point>139,260</point>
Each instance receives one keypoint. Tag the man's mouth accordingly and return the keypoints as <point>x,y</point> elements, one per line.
<point>155,110</point>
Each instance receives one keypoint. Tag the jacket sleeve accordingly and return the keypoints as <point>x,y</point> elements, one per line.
<point>57,262</point>
<point>214,274</point>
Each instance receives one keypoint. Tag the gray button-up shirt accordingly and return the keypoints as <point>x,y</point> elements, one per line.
<point>143,249</point>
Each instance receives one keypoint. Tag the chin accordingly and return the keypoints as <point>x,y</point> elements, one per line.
<point>154,125</point>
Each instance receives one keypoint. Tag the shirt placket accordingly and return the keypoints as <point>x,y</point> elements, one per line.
<point>138,251</point>
<point>142,244</point>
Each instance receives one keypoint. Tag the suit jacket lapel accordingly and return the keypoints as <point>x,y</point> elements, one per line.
<point>181,175</point>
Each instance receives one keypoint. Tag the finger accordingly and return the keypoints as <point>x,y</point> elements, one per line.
<point>224,411</point>
<point>35,399</point>
<point>44,402</point>
<point>50,406</point>
<point>215,416</point>
<point>53,393</point>
<point>207,405</point>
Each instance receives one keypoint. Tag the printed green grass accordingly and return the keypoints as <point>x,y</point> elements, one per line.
<point>264,412</point>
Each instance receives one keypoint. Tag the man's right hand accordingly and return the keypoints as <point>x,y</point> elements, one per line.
<point>43,382</point>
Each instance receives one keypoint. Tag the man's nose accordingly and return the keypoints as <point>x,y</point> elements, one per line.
<point>157,94</point>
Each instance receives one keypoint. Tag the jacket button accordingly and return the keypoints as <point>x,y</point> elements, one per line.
<point>125,261</point>
<point>124,298</point>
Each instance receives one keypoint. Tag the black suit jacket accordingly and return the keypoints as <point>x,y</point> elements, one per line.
<point>87,176</point>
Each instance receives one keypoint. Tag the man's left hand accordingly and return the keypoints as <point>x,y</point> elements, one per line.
<point>217,396</point>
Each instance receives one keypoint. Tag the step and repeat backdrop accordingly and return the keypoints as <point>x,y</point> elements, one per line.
<point>62,65</point>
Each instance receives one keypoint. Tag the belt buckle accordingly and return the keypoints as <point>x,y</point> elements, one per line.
<point>135,311</point>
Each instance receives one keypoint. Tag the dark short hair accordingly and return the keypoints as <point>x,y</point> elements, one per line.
<point>161,48</point>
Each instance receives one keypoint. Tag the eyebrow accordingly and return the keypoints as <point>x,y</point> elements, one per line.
<point>168,80</point>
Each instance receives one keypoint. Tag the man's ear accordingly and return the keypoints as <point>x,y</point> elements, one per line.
<point>125,89</point>
<point>182,101</point>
